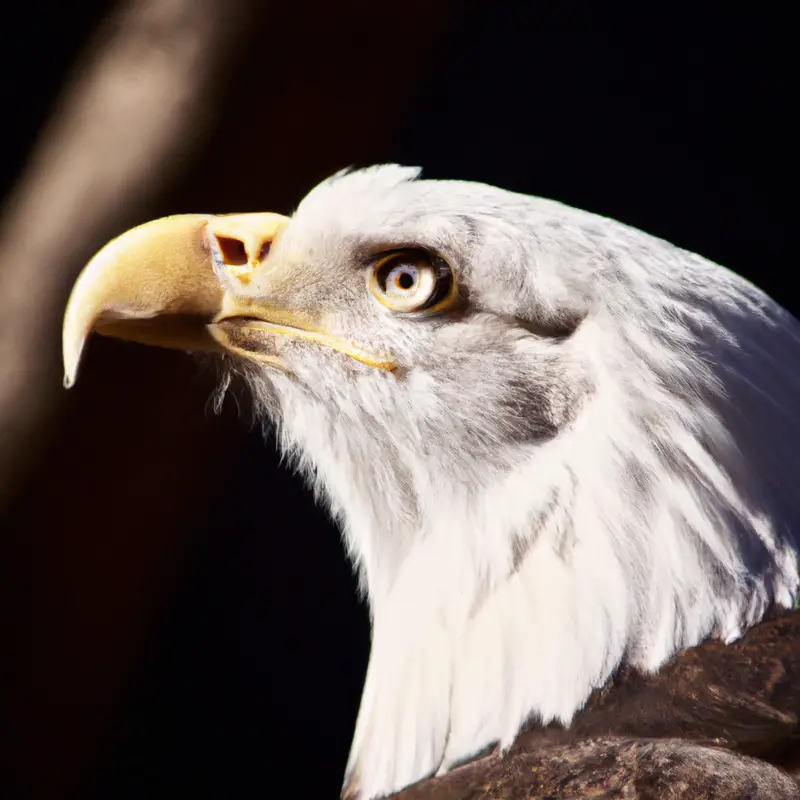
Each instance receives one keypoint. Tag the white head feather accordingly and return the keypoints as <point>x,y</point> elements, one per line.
<point>596,462</point>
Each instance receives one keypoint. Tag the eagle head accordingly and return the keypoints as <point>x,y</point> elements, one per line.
<point>554,444</point>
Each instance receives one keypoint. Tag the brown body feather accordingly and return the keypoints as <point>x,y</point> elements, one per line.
<point>719,721</point>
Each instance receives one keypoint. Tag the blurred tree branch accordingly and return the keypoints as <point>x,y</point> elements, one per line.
<point>132,114</point>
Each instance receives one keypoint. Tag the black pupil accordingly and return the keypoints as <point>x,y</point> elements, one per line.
<point>405,280</point>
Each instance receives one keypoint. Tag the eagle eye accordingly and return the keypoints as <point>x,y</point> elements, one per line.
<point>412,281</point>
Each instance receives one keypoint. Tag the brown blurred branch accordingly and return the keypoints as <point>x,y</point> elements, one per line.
<point>122,130</point>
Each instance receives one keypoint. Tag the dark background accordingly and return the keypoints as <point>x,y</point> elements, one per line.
<point>179,616</point>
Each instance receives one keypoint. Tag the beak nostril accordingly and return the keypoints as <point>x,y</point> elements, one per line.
<point>233,251</point>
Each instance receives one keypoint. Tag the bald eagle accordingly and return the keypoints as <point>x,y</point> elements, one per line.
<point>562,453</point>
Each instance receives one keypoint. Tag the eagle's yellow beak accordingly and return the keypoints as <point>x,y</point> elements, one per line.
<point>181,282</point>
<point>164,282</point>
